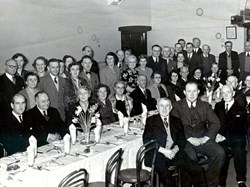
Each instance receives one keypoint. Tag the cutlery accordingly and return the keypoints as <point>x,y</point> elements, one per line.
<point>16,161</point>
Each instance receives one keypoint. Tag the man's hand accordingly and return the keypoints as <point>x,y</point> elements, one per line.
<point>194,141</point>
<point>219,138</point>
<point>167,153</point>
<point>204,139</point>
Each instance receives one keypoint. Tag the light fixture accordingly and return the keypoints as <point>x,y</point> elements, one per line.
<point>114,2</point>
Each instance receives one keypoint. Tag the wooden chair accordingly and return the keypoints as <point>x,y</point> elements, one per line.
<point>113,165</point>
<point>76,178</point>
<point>137,176</point>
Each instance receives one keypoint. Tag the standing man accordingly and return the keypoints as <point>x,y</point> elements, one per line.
<point>14,133</point>
<point>244,60</point>
<point>229,61</point>
<point>10,84</point>
<point>192,59</point>
<point>121,62</point>
<point>206,60</point>
<point>158,64</point>
<point>54,86</point>
<point>90,76</point>
<point>233,120</point>
<point>197,42</point>
<point>168,132</point>
<point>166,51</point>
<point>87,50</point>
<point>201,126</point>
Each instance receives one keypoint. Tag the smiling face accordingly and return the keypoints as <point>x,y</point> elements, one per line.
<point>102,93</point>
<point>87,64</point>
<point>156,51</point>
<point>20,62</point>
<point>54,68</point>
<point>119,89</point>
<point>32,81</point>
<point>143,62</point>
<point>131,61</point>
<point>142,81</point>
<point>227,93</point>
<point>74,71</point>
<point>157,78</point>
<point>42,101</point>
<point>11,67</point>
<point>83,95</point>
<point>110,60</point>
<point>40,65</point>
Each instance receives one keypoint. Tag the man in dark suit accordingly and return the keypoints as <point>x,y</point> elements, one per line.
<point>196,43</point>
<point>184,72</point>
<point>140,96</point>
<point>14,133</point>
<point>10,84</point>
<point>54,86</point>
<point>172,65</point>
<point>192,59</point>
<point>168,132</point>
<point>233,120</point>
<point>229,61</point>
<point>201,125</point>
<point>91,78</point>
<point>244,60</point>
<point>206,60</point>
<point>158,64</point>
<point>87,50</point>
<point>43,121</point>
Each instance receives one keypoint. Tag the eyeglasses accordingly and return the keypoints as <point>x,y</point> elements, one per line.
<point>12,66</point>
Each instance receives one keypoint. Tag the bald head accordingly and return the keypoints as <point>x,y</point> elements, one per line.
<point>232,81</point>
<point>227,93</point>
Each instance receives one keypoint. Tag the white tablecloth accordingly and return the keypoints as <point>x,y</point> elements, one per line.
<point>55,166</point>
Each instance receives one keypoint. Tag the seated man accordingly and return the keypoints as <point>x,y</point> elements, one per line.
<point>233,119</point>
<point>201,125</point>
<point>140,96</point>
<point>43,121</point>
<point>168,132</point>
<point>14,135</point>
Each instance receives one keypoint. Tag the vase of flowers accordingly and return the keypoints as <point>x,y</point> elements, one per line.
<point>87,120</point>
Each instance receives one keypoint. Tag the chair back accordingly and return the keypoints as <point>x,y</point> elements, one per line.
<point>113,165</point>
<point>150,146</point>
<point>76,178</point>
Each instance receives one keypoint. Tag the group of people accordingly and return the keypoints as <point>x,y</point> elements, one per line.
<point>176,82</point>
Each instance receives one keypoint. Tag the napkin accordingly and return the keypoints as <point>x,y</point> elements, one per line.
<point>120,118</point>
<point>33,142</point>
<point>144,114</point>
<point>66,140</point>
<point>98,131</point>
<point>125,125</point>
<point>31,155</point>
<point>72,131</point>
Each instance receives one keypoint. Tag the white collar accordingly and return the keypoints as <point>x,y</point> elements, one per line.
<point>53,77</point>
<point>189,103</point>
<point>17,116</point>
<point>143,90</point>
<point>46,112</point>
<point>230,103</point>
<point>9,76</point>
<point>165,117</point>
<point>120,98</point>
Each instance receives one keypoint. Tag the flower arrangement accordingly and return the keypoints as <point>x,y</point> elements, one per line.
<point>87,120</point>
<point>212,82</point>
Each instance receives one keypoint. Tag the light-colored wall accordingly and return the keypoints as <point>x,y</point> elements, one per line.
<point>176,19</point>
<point>54,28</point>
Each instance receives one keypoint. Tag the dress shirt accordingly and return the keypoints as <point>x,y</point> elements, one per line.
<point>11,77</point>
<point>190,55</point>
<point>57,79</point>
<point>169,140</point>
<point>247,54</point>
<point>230,103</point>
<point>42,111</point>
<point>189,103</point>
<point>143,91</point>
<point>156,59</point>
<point>205,55</point>
<point>18,117</point>
<point>87,74</point>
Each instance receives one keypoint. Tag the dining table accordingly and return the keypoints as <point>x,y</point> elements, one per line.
<point>51,164</point>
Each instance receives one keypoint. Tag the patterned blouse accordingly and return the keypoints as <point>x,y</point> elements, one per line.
<point>130,77</point>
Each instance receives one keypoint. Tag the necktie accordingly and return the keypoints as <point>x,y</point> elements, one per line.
<point>192,105</point>
<point>156,60</point>
<point>248,54</point>
<point>189,57</point>
<point>161,91</point>
<point>55,80</point>
<point>14,79</point>
<point>226,109</point>
<point>20,119</point>
<point>165,122</point>
<point>145,94</point>
<point>45,115</point>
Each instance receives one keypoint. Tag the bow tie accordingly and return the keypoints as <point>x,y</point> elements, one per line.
<point>87,72</point>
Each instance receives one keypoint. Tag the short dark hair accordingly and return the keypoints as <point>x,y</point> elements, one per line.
<point>43,59</point>
<point>156,45</point>
<point>15,56</point>
<point>112,54</point>
<point>53,60</point>
<point>65,57</point>
<point>189,43</point>
<point>143,57</point>
<point>39,93</point>
<point>83,49</point>
<point>101,86</point>
<point>181,39</point>
<point>86,57</point>
<point>17,95</point>
<point>75,64</point>
<point>31,74</point>
<point>228,42</point>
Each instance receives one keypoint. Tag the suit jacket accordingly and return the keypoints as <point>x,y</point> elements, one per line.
<point>14,135</point>
<point>199,51</point>
<point>95,67</point>
<point>155,92</point>
<point>7,90</point>
<point>139,98</point>
<point>223,63</point>
<point>155,130</point>
<point>193,63</point>
<point>206,117</point>
<point>242,60</point>
<point>233,123</point>
<point>175,90</point>
<point>92,82</point>
<point>57,101</point>
<point>206,63</point>
<point>160,67</point>
<point>40,127</point>
<point>171,65</point>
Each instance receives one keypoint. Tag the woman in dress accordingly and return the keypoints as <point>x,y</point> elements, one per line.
<point>129,76</point>
<point>111,73</point>
<point>31,81</point>
<point>22,61</point>
<point>121,102</point>
<point>67,59</point>
<point>142,69</point>
<point>73,83</point>
<point>105,107</point>
<point>40,66</point>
